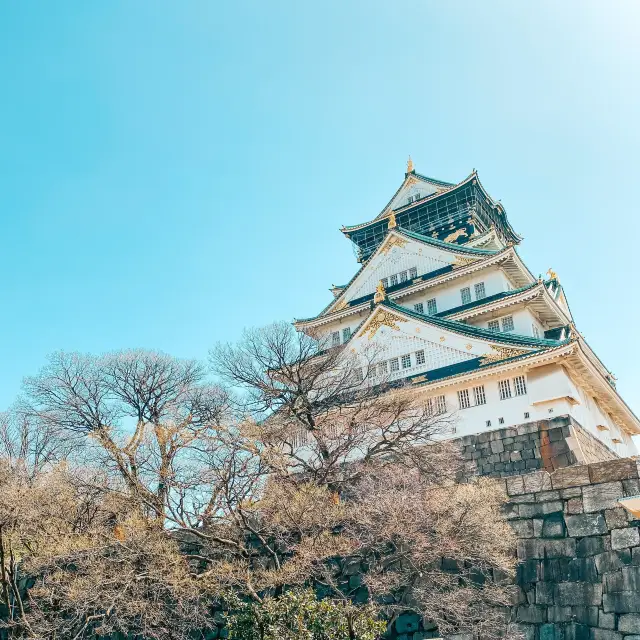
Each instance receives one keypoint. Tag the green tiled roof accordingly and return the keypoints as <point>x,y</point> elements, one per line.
<point>476,332</point>
<point>449,246</point>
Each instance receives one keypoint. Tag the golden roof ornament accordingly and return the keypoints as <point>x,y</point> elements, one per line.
<point>410,165</point>
<point>381,293</point>
<point>392,221</point>
<point>552,275</point>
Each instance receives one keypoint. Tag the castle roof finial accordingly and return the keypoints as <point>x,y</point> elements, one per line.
<point>392,220</point>
<point>410,168</point>
<point>381,293</point>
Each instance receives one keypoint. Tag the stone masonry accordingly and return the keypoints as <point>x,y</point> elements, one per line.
<point>579,552</point>
<point>545,444</point>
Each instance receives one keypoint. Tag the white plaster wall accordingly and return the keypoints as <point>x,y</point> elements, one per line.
<point>550,393</point>
<point>523,321</point>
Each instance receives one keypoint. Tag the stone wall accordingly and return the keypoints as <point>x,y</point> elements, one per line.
<point>579,552</point>
<point>544,444</point>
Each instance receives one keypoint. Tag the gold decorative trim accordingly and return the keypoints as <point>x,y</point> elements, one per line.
<point>463,262</point>
<point>392,221</point>
<point>393,241</point>
<point>341,305</point>
<point>422,378</point>
<point>501,353</point>
<point>458,233</point>
<point>380,294</point>
<point>383,318</point>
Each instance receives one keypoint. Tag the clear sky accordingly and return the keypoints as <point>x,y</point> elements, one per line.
<point>171,172</point>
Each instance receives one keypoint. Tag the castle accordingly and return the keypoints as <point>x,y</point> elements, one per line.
<point>455,314</point>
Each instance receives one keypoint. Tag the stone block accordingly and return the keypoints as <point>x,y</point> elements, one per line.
<point>574,506</point>
<point>576,631</point>
<point>585,615</point>
<point>555,570</point>
<point>607,620</point>
<point>586,524</point>
<point>497,446</point>
<point>522,528</point>
<point>629,623</point>
<point>571,492</point>
<point>541,508</point>
<point>621,602</point>
<point>631,579</point>
<point>613,470</point>
<point>631,487</point>
<point>605,634</point>
<point>616,518</point>
<point>559,614</point>
<point>528,571</point>
<point>515,486</point>
<point>548,632</point>
<point>407,623</point>
<point>602,496</point>
<point>623,538</point>
<point>570,477</point>
<point>525,497</point>
<point>531,548</point>
<point>544,593</point>
<point>535,482</point>
<point>583,570</point>
<point>553,526</point>
<point>578,594</point>
<point>612,560</point>
<point>590,546</point>
<point>546,496</point>
<point>532,614</point>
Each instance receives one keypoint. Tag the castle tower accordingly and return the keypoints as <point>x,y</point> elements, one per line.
<point>456,315</point>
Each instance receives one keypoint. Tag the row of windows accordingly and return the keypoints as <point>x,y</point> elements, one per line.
<point>506,322</point>
<point>403,276</point>
<point>395,364</point>
<point>414,198</point>
<point>479,290</point>
<point>335,336</point>
<point>517,385</point>
<point>432,307</point>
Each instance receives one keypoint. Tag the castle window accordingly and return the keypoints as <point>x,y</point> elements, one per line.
<point>504,387</point>
<point>394,279</point>
<point>420,359</point>
<point>406,361</point>
<point>409,199</point>
<point>385,282</point>
<point>479,289</point>
<point>465,295</point>
<point>403,276</point>
<point>383,368</point>
<point>440,405</point>
<point>500,420</point>
<point>494,325</point>
<point>526,415</point>
<point>419,307</point>
<point>335,338</point>
<point>432,307</point>
<point>520,385</point>
<point>413,273</point>
<point>463,399</point>
<point>357,374</point>
<point>394,364</point>
<point>536,331</point>
<point>488,423</point>
<point>507,324</point>
<point>346,334</point>
<point>479,395</point>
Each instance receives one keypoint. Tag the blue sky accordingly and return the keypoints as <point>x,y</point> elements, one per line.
<point>171,172</point>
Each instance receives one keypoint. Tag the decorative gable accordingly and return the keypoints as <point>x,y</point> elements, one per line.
<point>389,335</point>
<point>414,188</point>
<point>397,260</point>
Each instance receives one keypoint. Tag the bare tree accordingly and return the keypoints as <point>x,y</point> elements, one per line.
<point>144,410</point>
<point>319,412</point>
<point>76,563</point>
